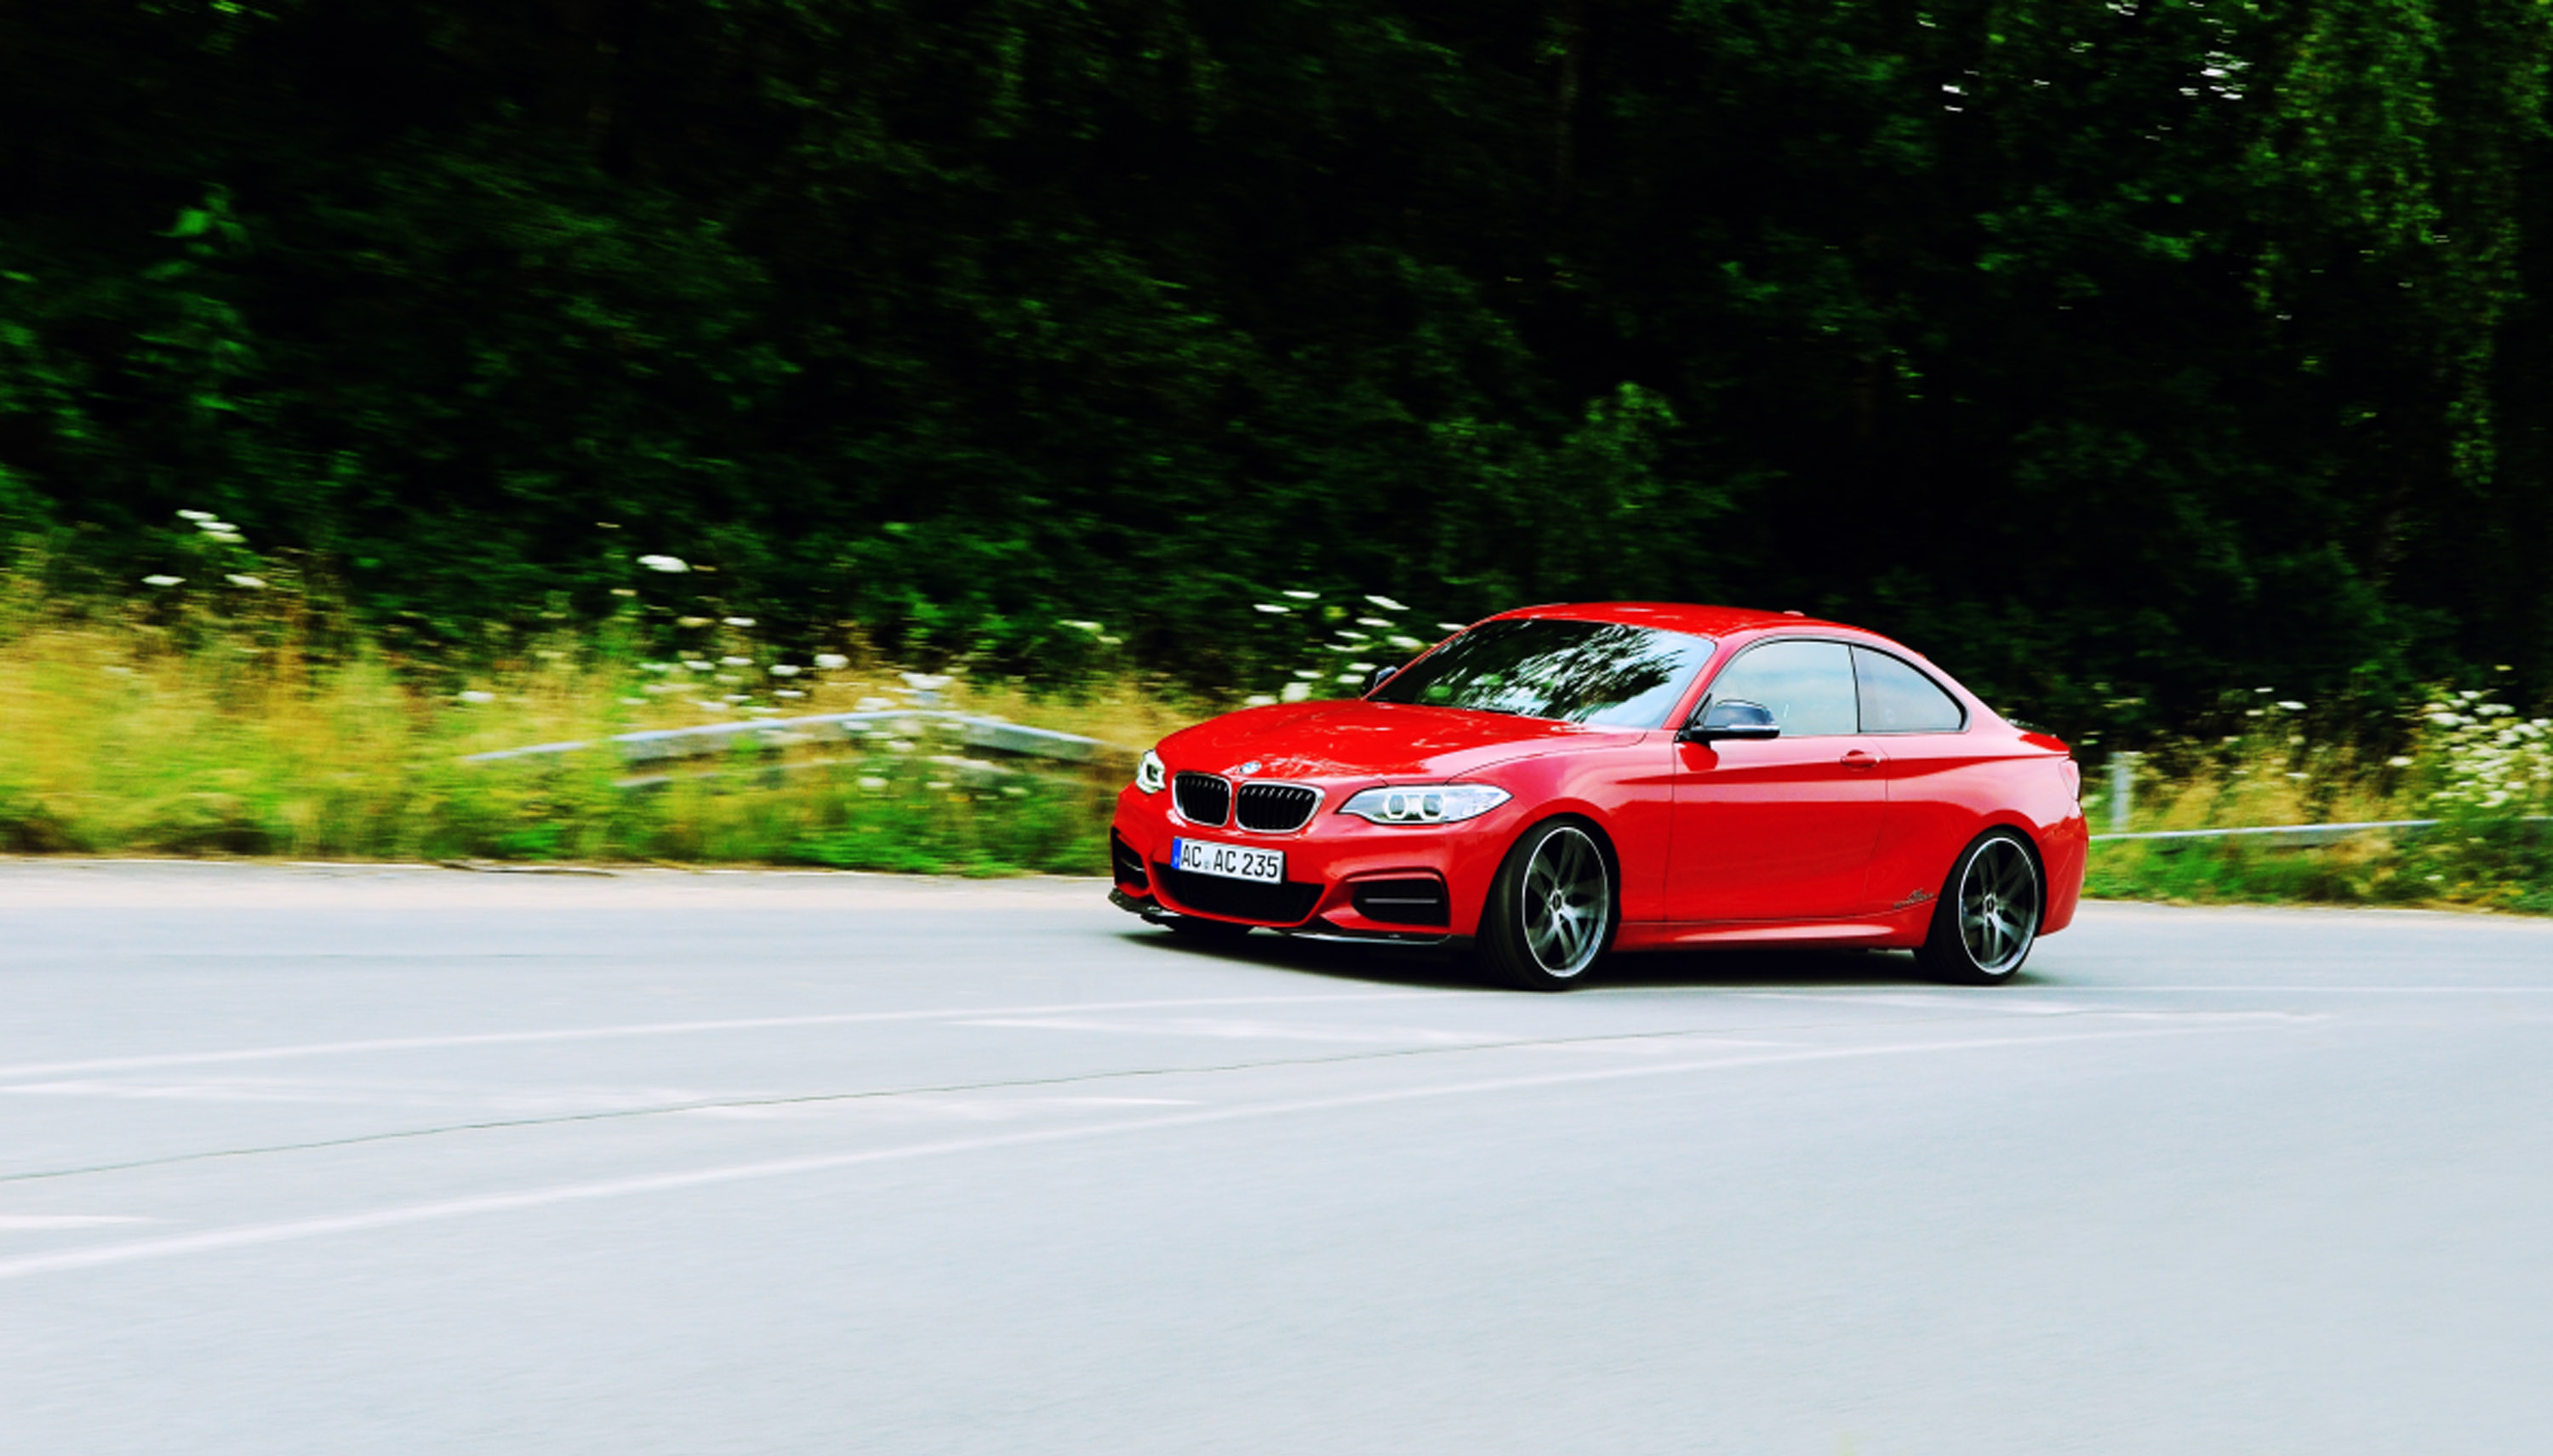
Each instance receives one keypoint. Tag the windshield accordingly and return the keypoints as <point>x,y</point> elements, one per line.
<point>1593,672</point>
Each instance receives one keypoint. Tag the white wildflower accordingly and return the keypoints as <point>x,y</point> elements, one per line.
<point>832,661</point>
<point>1376,621</point>
<point>196,516</point>
<point>1351,677</point>
<point>1270,607</point>
<point>1080,626</point>
<point>691,621</point>
<point>872,784</point>
<point>241,578</point>
<point>164,581</point>
<point>1387,604</point>
<point>1406,644</point>
<point>1452,626</point>
<point>1307,672</point>
<point>735,662</point>
<point>1360,667</point>
<point>476,696</point>
<point>668,564</point>
<point>698,665</point>
<point>787,693</point>
<point>782,669</point>
<point>1107,641</point>
<point>1297,692</point>
<point>737,620</point>
<point>1305,596</point>
<point>1257,700</point>
<point>2398,762</point>
<point>2292,704</point>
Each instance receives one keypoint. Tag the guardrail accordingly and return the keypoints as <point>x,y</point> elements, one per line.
<point>2298,833</point>
<point>2295,833</point>
<point>991,735</point>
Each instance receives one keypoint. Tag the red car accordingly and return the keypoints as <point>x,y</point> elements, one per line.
<point>1557,782</point>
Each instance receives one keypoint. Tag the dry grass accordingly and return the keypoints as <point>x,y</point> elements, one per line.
<point>251,736</point>
<point>257,731</point>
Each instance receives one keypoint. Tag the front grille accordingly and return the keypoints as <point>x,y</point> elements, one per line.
<point>1415,901</point>
<point>1202,798</point>
<point>1213,894</point>
<point>1127,864</point>
<point>1275,808</point>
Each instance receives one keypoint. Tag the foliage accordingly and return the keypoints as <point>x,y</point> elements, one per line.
<point>2108,352</point>
<point>2481,771</point>
<point>232,736</point>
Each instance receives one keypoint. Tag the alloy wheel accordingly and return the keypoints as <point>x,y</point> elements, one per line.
<point>1568,900</point>
<point>1998,906</point>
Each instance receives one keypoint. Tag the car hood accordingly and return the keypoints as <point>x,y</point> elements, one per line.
<point>1352,739</point>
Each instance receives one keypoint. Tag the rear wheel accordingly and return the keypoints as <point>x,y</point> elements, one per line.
<point>1551,909</point>
<point>1989,915</point>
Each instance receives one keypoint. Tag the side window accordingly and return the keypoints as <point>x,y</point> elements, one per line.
<point>1808,685</point>
<point>1898,699</point>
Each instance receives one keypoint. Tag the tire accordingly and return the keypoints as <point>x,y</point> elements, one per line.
<point>1551,910</point>
<point>1988,919</point>
<point>1205,932</point>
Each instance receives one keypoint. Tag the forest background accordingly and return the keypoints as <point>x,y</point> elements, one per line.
<point>2118,355</point>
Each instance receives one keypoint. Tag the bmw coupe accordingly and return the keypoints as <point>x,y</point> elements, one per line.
<point>1559,782</point>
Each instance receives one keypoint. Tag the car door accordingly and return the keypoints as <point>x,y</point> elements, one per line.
<point>1784,827</point>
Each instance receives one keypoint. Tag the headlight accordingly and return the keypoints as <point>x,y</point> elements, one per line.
<point>1151,773</point>
<point>1425,803</point>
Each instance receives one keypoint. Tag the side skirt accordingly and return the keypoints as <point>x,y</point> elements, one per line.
<point>1898,929</point>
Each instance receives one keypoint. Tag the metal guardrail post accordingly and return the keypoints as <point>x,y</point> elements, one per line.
<point>2123,788</point>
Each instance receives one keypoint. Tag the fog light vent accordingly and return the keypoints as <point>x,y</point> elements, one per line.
<point>1413,901</point>
<point>1127,864</point>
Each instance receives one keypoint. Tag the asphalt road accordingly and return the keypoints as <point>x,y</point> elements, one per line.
<point>342,1161</point>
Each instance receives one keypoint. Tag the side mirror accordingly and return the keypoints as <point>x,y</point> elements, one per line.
<point>1378,678</point>
<point>1735,718</point>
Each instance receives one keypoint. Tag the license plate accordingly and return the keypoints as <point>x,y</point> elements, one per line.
<point>1229,862</point>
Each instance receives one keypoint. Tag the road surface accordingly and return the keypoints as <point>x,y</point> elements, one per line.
<point>336,1160</point>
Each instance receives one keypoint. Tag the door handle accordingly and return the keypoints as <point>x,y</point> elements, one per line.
<point>1859,761</point>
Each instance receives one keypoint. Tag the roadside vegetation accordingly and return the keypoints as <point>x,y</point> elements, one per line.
<point>270,729</point>
<point>236,719</point>
<point>2479,767</point>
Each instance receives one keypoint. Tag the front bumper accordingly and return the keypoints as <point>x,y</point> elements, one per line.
<point>1343,877</point>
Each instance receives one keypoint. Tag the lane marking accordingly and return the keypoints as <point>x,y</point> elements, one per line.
<point>744,1105</point>
<point>668,1029</point>
<point>253,1235</point>
<point>21,1223</point>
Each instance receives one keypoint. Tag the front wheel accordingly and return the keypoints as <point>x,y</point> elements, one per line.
<point>1990,913</point>
<point>1551,909</point>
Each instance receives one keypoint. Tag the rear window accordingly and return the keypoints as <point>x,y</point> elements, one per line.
<point>1897,698</point>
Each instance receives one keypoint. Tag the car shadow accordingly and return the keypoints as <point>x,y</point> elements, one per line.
<point>1736,967</point>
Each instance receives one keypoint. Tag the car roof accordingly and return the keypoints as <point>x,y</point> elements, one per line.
<point>1680,616</point>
